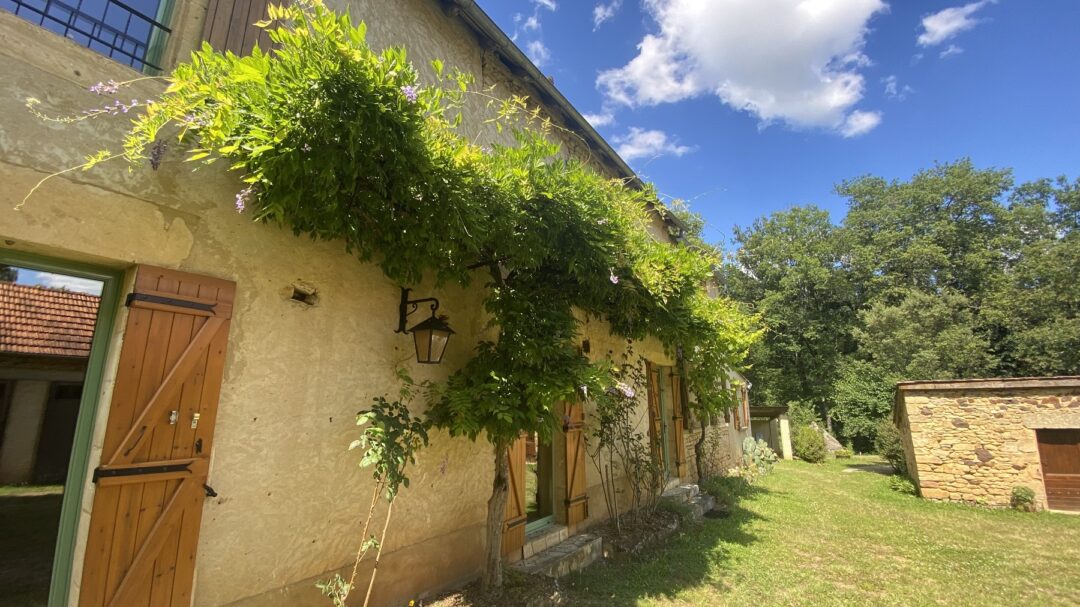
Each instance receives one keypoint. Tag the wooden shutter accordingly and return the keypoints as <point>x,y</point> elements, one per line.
<point>516,516</point>
<point>677,425</point>
<point>144,526</point>
<point>655,422</point>
<point>228,25</point>
<point>577,496</point>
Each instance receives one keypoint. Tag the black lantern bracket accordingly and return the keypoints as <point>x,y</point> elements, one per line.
<point>408,306</point>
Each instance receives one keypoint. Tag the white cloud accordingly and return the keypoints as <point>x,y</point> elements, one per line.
<point>61,281</point>
<point>602,12</point>
<point>537,52</point>
<point>950,51</point>
<point>604,118</point>
<point>942,25</point>
<point>893,90</point>
<point>548,4</point>
<point>791,61</point>
<point>531,24</point>
<point>642,143</point>
<point>859,123</point>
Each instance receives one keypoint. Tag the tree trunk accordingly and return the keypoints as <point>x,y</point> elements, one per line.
<point>496,515</point>
<point>699,452</point>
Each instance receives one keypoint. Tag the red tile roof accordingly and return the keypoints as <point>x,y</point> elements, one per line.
<point>50,322</point>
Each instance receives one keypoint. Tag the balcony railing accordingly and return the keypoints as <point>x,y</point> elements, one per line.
<point>113,28</point>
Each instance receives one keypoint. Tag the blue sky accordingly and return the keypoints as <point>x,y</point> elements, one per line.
<point>746,107</point>
<point>57,281</point>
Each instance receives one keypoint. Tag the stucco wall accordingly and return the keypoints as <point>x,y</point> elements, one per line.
<point>974,445</point>
<point>290,495</point>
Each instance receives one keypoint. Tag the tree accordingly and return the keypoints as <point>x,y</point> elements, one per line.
<point>791,267</point>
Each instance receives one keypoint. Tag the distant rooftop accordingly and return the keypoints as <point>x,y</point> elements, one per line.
<point>46,322</point>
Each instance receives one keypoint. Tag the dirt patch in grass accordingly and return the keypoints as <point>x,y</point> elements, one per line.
<point>518,589</point>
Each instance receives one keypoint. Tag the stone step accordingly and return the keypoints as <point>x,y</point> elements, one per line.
<point>573,554</point>
<point>683,493</point>
<point>702,504</point>
<point>545,538</point>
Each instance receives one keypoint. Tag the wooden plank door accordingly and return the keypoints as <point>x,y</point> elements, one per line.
<point>229,25</point>
<point>679,457</point>
<point>516,515</point>
<point>577,495</point>
<point>151,483</point>
<point>1059,452</point>
<point>656,419</point>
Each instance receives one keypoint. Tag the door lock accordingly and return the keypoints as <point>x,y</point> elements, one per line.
<point>173,415</point>
<point>195,421</point>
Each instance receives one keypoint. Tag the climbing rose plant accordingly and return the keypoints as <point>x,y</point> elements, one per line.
<point>338,141</point>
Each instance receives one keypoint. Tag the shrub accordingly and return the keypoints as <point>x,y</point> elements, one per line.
<point>889,445</point>
<point>842,453</point>
<point>1023,499</point>
<point>679,508</point>
<point>809,444</point>
<point>902,484</point>
<point>758,456</point>
<point>726,489</point>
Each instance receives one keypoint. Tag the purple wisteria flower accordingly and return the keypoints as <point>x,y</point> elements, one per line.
<point>410,93</point>
<point>105,88</point>
<point>613,278</point>
<point>625,390</point>
<point>243,197</point>
<point>157,152</point>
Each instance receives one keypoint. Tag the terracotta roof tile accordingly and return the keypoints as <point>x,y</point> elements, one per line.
<point>50,322</point>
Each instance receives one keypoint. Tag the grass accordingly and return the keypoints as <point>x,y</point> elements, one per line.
<point>835,534</point>
<point>29,516</point>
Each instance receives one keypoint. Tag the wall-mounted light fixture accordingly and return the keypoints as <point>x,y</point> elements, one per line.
<point>430,335</point>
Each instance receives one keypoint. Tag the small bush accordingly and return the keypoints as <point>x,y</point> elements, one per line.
<point>809,444</point>
<point>726,489</point>
<point>902,484</point>
<point>889,445</point>
<point>1023,499</point>
<point>842,453</point>
<point>679,508</point>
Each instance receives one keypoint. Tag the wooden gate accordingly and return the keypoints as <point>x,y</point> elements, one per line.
<point>577,496</point>
<point>1059,451</point>
<point>144,527</point>
<point>516,515</point>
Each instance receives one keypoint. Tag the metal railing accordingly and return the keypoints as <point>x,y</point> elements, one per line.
<point>111,27</point>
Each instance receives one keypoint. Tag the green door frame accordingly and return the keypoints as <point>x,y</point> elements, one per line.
<point>71,505</point>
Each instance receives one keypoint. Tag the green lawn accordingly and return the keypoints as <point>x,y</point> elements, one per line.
<point>835,534</point>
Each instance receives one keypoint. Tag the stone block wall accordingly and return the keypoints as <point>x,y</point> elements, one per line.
<point>974,441</point>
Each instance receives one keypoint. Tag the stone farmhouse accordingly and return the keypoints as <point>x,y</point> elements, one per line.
<point>208,461</point>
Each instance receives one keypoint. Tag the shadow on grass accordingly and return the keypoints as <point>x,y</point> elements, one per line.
<point>881,467</point>
<point>689,559</point>
<point>29,524</point>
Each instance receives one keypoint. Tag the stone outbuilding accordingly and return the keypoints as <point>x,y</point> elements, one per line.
<point>975,440</point>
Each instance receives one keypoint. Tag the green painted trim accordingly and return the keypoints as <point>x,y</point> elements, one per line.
<point>158,39</point>
<point>71,504</point>
<point>539,524</point>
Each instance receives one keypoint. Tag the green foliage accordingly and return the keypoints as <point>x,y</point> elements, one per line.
<point>726,489</point>
<point>758,457</point>
<point>901,484</point>
<point>8,273</point>
<point>955,272</point>
<point>890,445</point>
<point>1023,499</point>
<point>390,439</point>
<point>808,443</point>
<point>677,507</point>
<point>844,453</point>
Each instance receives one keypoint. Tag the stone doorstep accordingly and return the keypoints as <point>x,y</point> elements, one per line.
<point>545,538</point>
<point>568,556</point>
<point>684,493</point>
<point>702,504</point>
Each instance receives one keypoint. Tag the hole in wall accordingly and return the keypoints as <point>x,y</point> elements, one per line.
<point>303,292</point>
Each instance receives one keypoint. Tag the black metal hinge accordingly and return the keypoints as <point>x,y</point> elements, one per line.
<point>170,301</point>
<point>140,470</point>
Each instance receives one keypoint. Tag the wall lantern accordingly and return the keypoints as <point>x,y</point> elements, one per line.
<point>429,336</point>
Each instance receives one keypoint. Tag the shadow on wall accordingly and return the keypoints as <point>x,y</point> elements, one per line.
<point>685,561</point>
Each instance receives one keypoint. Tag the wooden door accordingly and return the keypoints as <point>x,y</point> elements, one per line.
<point>516,515</point>
<point>656,421</point>
<point>1059,451</point>
<point>151,483</point>
<point>679,447</point>
<point>229,25</point>
<point>577,495</point>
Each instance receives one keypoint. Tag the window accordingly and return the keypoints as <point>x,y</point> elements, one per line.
<point>132,32</point>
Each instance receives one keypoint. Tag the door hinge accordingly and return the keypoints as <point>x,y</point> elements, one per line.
<point>100,473</point>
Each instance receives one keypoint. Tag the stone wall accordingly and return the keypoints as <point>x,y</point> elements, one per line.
<point>973,442</point>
